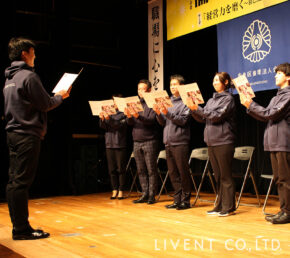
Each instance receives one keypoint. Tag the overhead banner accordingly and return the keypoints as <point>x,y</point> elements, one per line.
<point>186,16</point>
<point>155,44</point>
<point>253,45</point>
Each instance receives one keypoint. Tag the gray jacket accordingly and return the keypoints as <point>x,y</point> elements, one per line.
<point>176,122</point>
<point>219,116</point>
<point>277,114</point>
<point>116,131</point>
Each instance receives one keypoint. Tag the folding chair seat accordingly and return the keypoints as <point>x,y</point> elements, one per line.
<point>245,153</point>
<point>201,154</point>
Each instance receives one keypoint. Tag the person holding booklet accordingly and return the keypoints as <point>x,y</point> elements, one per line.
<point>25,106</point>
<point>176,137</point>
<point>115,127</point>
<point>219,135</point>
<point>277,138</point>
<point>146,145</point>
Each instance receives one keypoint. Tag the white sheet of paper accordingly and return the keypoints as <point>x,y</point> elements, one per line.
<point>65,82</point>
<point>190,90</point>
<point>121,103</point>
<point>153,97</point>
<point>98,106</point>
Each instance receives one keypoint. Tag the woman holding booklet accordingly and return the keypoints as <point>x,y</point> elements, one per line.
<point>116,149</point>
<point>219,135</point>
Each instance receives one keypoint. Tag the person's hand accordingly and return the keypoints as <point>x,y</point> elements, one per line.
<point>133,112</point>
<point>191,104</point>
<point>63,93</point>
<point>101,115</point>
<point>107,117</point>
<point>156,109</point>
<point>246,102</point>
<point>127,113</point>
<point>163,108</point>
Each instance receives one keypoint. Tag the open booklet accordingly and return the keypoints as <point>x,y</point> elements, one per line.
<point>244,88</point>
<point>103,106</point>
<point>133,102</point>
<point>66,81</point>
<point>157,97</point>
<point>190,91</point>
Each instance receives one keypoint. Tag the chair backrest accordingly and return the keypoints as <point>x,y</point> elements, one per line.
<point>199,153</point>
<point>162,155</point>
<point>244,152</point>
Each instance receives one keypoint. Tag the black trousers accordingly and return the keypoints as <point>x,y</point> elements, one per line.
<point>221,158</point>
<point>117,159</point>
<point>24,153</point>
<point>177,162</point>
<point>281,169</point>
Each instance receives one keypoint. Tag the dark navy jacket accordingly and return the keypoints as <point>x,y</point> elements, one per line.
<point>177,123</point>
<point>219,116</point>
<point>116,131</point>
<point>26,101</point>
<point>145,127</point>
<point>277,114</point>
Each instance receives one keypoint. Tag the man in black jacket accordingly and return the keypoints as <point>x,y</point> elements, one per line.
<point>176,137</point>
<point>25,107</point>
<point>146,145</point>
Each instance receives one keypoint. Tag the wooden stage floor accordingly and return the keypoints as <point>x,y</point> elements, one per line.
<point>95,226</point>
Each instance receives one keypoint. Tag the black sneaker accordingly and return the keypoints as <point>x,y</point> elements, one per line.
<point>29,234</point>
<point>213,212</point>
<point>275,216</point>
<point>226,213</point>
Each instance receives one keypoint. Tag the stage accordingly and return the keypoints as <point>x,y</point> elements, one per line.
<point>95,226</point>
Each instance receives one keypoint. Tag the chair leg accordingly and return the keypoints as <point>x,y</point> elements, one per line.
<point>133,183</point>
<point>163,185</point>
<point>256,189</point>
<point>162,182</point>
<point>242,189</point>
<point>200,184</point>
<point>193,181</point>
<point>266,199</point>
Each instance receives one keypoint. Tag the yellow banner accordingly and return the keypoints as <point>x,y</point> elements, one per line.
<point>186,16</point>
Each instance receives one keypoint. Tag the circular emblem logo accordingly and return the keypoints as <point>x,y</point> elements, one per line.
<point>256,41</point>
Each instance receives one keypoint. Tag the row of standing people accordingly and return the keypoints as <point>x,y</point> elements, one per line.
<point>26,104</point>
<point>219,134</point>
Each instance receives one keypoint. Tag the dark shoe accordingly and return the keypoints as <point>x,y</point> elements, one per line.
<point>183,206</point>
<point>142,199</point>
<point>172,205</point>
<point>121,198</point>
<point>271,217</point>
<point>226,213</point>
<point>113,197</point>
<point>151,200</point>
<point>213,212</point>
<point>29,235</point>
<point>282,219</point>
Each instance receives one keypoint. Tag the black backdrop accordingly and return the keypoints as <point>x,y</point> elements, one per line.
<point>108,39</point>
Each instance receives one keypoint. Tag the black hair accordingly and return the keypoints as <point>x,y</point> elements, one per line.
<point>147,82</point>
<point>17,45</point>
<point>178,77</point>
<point>225,79</point>
<point>284,68</point>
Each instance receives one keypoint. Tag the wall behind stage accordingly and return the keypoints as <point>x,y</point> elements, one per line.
<point>254,44</point>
